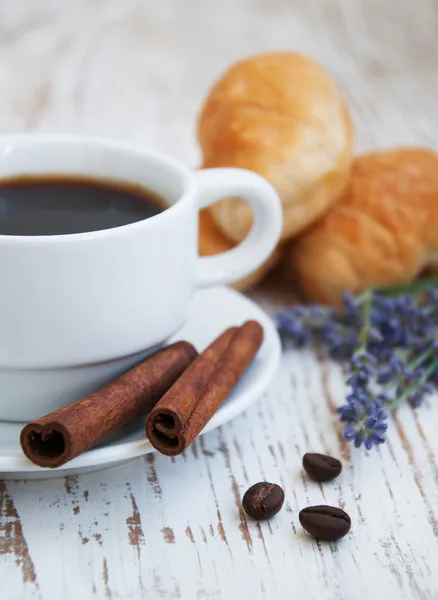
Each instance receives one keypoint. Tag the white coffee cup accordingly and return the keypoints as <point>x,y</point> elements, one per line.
<point>78,309</point>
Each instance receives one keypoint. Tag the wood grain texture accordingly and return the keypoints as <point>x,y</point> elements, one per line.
<point>174,528</point>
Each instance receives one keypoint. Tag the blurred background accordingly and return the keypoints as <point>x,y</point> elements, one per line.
<point>139,69</point>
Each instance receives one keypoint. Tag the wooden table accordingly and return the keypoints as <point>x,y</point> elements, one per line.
<point>160,528</point>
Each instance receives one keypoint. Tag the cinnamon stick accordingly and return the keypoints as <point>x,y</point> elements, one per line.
<point>62,435</point>
<point>193,399</point>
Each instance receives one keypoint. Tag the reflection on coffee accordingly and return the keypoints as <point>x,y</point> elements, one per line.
<point>56,205</point>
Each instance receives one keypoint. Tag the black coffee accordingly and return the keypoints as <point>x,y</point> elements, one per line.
<point>55,205</point>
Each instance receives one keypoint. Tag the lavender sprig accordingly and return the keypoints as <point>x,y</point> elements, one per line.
<point>388,337</point>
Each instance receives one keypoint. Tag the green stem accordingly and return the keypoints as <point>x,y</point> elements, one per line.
<point>366,300</point>
<point>421,359</point>
<point>396,381</point>
<point>413,287</point>
<point>415,385</point>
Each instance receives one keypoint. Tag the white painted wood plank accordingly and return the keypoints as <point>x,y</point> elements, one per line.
<point>160,528</point>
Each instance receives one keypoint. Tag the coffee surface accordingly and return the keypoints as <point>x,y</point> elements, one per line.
<point>56,205</point>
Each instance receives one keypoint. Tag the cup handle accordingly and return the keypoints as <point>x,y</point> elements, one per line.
<point>217,184</point>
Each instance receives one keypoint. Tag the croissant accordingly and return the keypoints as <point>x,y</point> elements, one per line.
<point>281,115</point>
<point>383,230</point>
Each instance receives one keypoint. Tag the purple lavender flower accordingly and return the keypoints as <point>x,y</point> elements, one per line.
<point>294,327</point>
<point>389,338</point>
<point>340,340</point>
<point>392,370</point>
<point>352,312</point>
<point>365,421</point>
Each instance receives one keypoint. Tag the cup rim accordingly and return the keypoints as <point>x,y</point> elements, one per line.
<point>185,175</point>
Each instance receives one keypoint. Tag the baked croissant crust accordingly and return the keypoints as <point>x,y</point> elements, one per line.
<point>383,230</point>
<point>281,115</point>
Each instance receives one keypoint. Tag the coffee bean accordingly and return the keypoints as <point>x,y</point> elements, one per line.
<point>263,500</point>
<point>321,467</point>
<point>325,522</point>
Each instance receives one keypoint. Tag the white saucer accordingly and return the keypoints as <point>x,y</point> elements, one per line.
<point>212,311</point>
